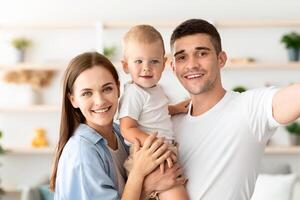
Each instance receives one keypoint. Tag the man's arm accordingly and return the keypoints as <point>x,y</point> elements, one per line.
<point>286,104</point>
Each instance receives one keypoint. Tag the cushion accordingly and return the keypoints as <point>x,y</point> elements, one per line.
<point>274,168</point>
<point>274,187</point>
<point>45,193</point>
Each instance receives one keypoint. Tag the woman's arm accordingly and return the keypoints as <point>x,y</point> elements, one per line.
<point>145,160</point>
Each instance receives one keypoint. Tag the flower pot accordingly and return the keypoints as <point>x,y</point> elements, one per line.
<point>294,139</point>
<point>293,54</point>
<point>20,55</point>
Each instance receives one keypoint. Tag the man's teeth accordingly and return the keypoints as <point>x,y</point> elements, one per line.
<point>102,110</point>
<point>193,76</point>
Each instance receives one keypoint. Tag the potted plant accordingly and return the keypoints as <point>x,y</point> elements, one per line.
<point>239,89</point>
<point>294,130</point>
<point>20,44</point>
<point>292,43</point>
<point>109,51</point>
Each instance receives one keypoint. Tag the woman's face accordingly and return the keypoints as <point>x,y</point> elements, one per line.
<point>95,92</point>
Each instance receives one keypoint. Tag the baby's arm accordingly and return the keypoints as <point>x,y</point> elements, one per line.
<point>181,107</point>
<point>130,131</point>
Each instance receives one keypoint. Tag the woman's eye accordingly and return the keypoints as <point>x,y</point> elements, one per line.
<point>84,94</point>
<point>107,89</point>
<point>138,61</point>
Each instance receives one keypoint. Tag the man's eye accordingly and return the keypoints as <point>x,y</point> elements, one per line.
<point>180,58</point>
<point>201,53</point>
<point>138,61</point>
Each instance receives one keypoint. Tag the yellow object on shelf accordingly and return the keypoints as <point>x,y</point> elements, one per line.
<point>39,139</point>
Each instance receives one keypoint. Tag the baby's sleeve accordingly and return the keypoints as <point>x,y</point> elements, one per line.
<point>131,103</point>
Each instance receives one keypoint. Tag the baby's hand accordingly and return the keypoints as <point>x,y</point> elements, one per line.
<point>182,107</point>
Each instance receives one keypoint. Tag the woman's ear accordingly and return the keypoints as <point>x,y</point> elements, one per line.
<point>73,100</point>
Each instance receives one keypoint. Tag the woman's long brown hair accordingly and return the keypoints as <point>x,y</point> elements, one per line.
<point>71,117</point>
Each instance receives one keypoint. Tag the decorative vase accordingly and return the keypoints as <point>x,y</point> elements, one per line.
<point>20,55</point>
<point>294,139</point>
<point>37,96</point>
<point>293,54</point>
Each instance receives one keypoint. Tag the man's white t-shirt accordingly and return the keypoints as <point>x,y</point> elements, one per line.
<point>149,107</point>
<point>221,149</point>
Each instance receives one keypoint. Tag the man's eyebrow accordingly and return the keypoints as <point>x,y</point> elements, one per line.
<point>202,48</point>
<point>178,52</point>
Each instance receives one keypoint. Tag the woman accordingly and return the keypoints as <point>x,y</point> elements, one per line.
<point>90,154</point>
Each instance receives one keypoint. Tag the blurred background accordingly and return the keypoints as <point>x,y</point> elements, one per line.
<point>39,37</point>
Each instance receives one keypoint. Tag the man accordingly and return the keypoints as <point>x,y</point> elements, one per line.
<point>222,138</point>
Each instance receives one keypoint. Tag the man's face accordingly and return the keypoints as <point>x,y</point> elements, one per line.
<point>196,63</point>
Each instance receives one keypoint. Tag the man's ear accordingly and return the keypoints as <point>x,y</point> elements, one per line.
<point>172,65</point>
<point>222,58</point>
<point>125,66</point>
<point>73,101</point>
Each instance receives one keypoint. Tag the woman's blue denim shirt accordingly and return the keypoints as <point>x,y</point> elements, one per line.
<point>85,169</point>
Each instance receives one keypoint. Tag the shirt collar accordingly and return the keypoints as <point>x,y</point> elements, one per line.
<point>88,133</point>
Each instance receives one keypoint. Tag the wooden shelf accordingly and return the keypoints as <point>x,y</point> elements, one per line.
<point>282,150</point>
<point>31,108</point>
<point>33,66</point>
<point>29,151</point>
<point>263,65</point>
<point>258,23</point>
<point>164,24</point>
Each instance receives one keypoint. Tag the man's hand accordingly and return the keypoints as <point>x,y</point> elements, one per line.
<point>161,182</point>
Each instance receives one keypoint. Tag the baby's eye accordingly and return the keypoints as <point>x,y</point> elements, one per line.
<point>86,94</point>
<point>153,62</point>
<point>138,61</point>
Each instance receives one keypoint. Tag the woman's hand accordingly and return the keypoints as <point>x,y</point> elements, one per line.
<point>152,154</point>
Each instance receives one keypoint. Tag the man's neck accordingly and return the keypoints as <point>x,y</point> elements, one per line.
<point>205,101</point>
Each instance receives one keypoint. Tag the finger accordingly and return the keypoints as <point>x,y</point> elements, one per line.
<point>181,181</point>
<point>160,151</point>
<point>136,145</point>
<point>156,144</point>
<point>174,157</point>
<point>161,167</point>
<point>149,140</point>
<point>179,172</point>
<point>169,161</point>
<point>163,157</point>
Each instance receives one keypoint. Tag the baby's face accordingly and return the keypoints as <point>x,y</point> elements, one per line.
<point>144,62</point>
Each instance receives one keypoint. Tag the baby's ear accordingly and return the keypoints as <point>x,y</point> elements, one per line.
<point>125,66</point>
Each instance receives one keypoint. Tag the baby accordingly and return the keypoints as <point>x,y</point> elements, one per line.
<point>144,106</point>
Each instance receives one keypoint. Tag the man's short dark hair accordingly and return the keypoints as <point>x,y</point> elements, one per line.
<point>194,26</point>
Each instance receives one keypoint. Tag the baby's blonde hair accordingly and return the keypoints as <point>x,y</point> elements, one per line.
<point>142,33</point>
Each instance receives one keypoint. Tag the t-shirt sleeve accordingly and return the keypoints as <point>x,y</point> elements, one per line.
<point>260,113</point>
<point>131,103</point>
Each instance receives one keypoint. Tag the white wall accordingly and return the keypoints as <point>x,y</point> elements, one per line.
<point>53,46</point>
